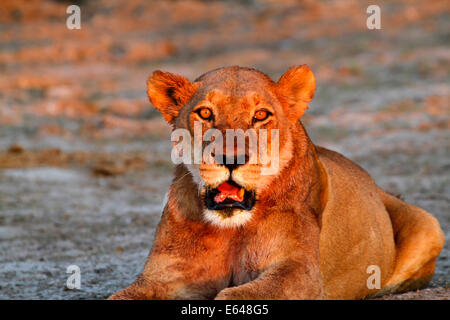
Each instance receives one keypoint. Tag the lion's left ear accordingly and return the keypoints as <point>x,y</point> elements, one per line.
<point>295,89</point>
<point>169,92</point>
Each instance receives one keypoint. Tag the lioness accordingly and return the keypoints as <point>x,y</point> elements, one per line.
<point>316,229</point>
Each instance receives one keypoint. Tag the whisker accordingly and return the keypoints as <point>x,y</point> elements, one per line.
<point>200,187</point>
<point>184,175</point>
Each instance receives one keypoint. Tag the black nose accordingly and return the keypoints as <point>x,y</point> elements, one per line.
<point>231,162</point>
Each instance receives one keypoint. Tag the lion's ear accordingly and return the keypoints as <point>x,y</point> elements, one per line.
<point>168,92</point>
<point>296,88</point>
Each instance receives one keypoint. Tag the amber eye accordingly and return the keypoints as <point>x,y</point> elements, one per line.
<point>261,115</point>
<point>205,113</point>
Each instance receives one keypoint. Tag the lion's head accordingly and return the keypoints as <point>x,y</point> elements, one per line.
<point>233,101</point>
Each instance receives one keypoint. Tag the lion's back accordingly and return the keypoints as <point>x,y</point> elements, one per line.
<point>356,230</point>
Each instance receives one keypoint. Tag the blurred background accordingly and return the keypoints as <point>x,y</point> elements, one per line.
<point>85,159</point>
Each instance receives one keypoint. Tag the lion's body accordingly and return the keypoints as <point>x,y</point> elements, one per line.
<point>319,228</point>
<point>358,231</point>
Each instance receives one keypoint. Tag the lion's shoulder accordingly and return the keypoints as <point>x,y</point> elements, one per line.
<point>335,162</point>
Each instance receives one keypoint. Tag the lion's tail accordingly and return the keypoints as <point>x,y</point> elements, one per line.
<point>418,241</point>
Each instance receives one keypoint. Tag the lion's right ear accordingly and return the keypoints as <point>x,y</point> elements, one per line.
<point>168,92</point>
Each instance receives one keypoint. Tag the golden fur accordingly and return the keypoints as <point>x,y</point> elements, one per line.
<point>318,223</point>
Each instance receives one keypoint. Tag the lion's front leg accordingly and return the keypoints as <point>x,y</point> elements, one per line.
<point>178,270</point>
<point>287,280</point>
<point>171,277</point>
<point>139,290</point>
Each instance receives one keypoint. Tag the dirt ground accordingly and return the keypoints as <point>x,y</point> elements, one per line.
<point>85,159</point>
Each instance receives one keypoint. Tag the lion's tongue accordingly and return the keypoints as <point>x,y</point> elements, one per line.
<point>229,191</point>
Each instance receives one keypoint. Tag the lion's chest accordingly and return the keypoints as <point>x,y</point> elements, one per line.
<point>243,276</point>
<point>252,257</point>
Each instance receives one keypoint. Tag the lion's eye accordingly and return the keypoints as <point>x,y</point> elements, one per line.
<point>205,113</point>
<point>261,115</point>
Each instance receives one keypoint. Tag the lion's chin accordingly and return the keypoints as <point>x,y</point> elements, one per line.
<point>228,218</point>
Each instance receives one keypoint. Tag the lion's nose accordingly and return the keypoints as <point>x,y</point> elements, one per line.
<point>232,162</point>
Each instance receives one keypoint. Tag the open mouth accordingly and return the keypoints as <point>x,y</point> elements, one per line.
<point>229,195</point>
